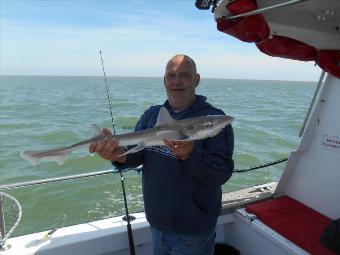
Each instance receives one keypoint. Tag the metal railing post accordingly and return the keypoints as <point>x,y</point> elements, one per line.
<point>316,93</point>
<point>2,219</point>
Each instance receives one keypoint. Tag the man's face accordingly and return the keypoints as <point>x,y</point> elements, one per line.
<point>180,81</point>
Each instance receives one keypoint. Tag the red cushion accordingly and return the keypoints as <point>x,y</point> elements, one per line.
<point>295,221</point>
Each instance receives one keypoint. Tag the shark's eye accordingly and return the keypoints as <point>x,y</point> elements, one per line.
<point>210,123</point>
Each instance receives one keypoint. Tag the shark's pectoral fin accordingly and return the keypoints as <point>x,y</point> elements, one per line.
<point>61,159</point>
<point>172,135</point>
<point>137,148</point>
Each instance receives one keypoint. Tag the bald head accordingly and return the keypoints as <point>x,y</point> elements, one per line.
<point>182,58</point>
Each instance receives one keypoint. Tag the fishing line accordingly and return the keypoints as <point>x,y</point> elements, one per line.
<point>127,217</point>
<point>108,94</point>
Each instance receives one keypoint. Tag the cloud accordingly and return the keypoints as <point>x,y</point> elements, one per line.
<point>136,41</point>
<point>257,66</point>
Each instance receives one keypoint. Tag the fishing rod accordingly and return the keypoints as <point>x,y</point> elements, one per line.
<point>128,218</point>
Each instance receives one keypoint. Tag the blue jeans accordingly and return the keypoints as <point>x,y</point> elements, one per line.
<point>169,243</point>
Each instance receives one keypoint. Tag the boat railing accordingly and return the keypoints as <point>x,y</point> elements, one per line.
<point>4,235</point>
<point>111,171</point>
<point>53,180</point>
<point>264,9</point>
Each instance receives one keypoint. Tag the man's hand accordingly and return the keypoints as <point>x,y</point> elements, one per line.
<point>108,148</point>
<point>181,149</point>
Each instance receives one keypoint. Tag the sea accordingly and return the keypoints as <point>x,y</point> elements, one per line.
<point>42,112</point>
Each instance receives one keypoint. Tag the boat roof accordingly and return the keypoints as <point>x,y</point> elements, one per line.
<point>306,30</point>
<point>315,22</point>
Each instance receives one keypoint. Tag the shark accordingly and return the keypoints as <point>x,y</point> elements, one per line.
<point>166,128</point>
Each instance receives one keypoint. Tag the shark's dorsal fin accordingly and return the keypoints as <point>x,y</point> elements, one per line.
<point>96,130</point>
<point>164,117</point>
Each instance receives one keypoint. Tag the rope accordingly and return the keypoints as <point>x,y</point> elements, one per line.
<point>19,214</point>
<point>244,170</point>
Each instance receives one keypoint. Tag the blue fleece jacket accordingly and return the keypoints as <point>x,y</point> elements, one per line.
<point>184,196</point>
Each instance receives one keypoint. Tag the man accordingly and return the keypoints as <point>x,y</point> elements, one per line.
<point>182,180</point>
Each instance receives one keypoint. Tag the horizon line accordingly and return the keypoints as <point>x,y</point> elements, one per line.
<point>144,77</point>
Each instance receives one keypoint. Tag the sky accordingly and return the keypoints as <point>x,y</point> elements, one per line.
<point>137,38</point>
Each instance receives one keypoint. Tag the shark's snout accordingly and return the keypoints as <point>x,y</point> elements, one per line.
<point>223,121</point>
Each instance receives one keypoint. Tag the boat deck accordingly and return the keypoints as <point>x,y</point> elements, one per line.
<point>109,236</point>
<point>241,198</point>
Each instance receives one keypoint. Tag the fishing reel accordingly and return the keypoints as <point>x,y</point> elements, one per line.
<point>205,4</point>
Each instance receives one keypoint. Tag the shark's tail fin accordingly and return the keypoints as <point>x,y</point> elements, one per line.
<point>35,157</point>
